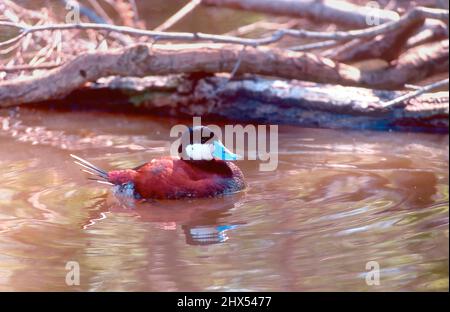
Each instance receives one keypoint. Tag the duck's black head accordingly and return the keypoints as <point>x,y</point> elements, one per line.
<point>201,143</point>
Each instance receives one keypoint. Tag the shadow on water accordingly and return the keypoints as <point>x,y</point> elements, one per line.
<point>200,219</point>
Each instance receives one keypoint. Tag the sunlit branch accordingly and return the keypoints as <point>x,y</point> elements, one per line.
<point>421,90</point>
<point>414,15</point>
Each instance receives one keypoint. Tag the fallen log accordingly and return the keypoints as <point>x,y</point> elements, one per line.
<point>142,60</point>
<point>252,99</point>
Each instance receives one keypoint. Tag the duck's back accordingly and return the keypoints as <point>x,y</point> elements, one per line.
<point>171,178</point>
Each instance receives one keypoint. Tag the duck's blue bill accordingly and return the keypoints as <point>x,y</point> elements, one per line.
<point>221,152</point>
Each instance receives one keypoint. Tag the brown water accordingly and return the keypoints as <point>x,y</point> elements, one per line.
<point>338,200</point>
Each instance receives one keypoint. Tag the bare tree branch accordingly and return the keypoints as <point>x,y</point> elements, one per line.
<point>412,16</point>
<point>411,95</point>
<point>431,30</point>
<point>141,60</point>
<point>414,65</point>
<point>183,36</point>
<point>390,44</point>
<point>333,11</point>
<point>387,46</point>
<point>416,14</point>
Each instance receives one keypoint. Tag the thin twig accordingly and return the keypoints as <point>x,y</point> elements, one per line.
<point>415,14</point>
<point>416,93</point>
<point>171,21</point>
<point>95,18</point>
<point>11,45</point>
<point>26,29</point>
<point>238,64</point>
<point>12,40</point>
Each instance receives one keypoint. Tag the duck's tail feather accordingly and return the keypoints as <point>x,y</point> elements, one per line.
<point>91,169</point>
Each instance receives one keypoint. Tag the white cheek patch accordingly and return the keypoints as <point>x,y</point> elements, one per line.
<point>199,151</point>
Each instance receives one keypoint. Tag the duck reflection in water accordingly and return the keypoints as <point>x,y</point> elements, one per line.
<point>203,221</point>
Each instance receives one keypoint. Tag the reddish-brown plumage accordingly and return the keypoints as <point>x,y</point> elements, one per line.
<point>173,178</point>
<point>203,170</point>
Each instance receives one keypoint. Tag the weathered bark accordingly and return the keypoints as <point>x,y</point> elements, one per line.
<point>264,100</point>
<point>431,30</point>
<point>412,66</point>
<point>330,11</point>
<point>173,59</point>
<point>142,60</point>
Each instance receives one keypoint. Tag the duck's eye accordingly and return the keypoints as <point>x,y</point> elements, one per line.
<point>206,137</point>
